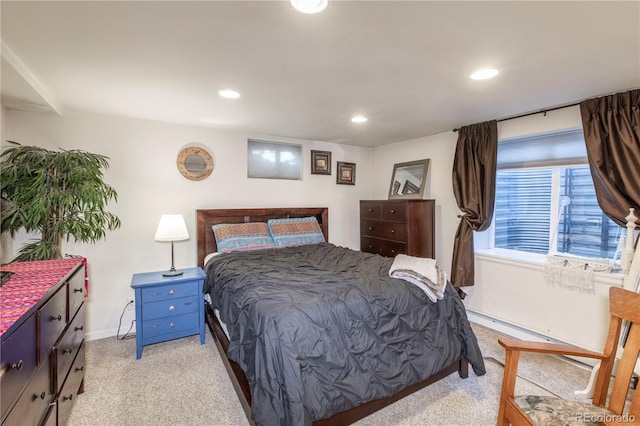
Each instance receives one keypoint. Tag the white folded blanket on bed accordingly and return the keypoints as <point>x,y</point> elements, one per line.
<point>422,272</point>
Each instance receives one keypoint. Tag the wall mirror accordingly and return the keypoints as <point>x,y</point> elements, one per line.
<point>408,180</point>
<point>195,163</point>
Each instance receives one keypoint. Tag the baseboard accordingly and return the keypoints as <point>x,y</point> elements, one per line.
<point>521,333</point>
<point>506,328</point>
<point>104,334</point>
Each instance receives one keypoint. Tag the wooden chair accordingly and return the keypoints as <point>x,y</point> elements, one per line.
<point>533,410</point>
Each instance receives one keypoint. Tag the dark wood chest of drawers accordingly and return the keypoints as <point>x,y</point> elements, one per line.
<point>397,227</point>
<point>42,353</point>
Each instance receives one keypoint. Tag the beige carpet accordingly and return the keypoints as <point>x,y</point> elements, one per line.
<point>184,383</point>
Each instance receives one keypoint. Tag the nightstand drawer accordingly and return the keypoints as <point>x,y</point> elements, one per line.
<point>170,291</point>
<point>161,326</point>
<point>170,308</point>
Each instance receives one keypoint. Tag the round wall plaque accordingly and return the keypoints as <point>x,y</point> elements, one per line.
<point>195,163</point>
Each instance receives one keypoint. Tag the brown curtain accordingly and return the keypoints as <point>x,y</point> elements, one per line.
<point>612,135</point>
<point>474,186</point>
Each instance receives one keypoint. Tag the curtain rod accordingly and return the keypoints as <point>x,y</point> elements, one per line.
<point>542,111</point>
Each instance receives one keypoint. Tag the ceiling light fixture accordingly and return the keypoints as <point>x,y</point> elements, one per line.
<point>309,6</point>
<point>484,74</point>
<point>229,94</point>
<point>359,119</point>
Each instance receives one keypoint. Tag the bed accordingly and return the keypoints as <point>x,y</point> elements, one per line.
<point>329,348</point>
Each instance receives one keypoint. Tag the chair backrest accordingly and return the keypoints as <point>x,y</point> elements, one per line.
<point>624,306</point>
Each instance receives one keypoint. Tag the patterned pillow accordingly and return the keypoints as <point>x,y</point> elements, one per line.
<point>295,231</point>
<point>242,236</point>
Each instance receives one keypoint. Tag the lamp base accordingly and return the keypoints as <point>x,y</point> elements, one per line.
<point>172,273</point>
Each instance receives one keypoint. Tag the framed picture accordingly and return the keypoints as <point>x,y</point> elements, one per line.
<point>346,173</point>
<point>320,162</point>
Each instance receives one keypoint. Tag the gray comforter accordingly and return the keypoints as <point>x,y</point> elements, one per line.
<point>319,329</point>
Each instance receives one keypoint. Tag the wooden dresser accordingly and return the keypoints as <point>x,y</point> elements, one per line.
<point>392,227</point>
<point>42,341</point>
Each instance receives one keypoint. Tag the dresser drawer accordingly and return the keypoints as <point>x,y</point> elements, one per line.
<point>51,418</point>
<point>69,392</point>
<point>52,318</point>
<point>382,247</point>
<point>171,307</point>
<point>386,230</point>
<point>75,289</point>
<point>162,326</point>
<point>34,401</point>
<point>17,362</point>
<point>394,210</point>
<point>170,291</point>
<point>370,210</point>
<point>68,347</point>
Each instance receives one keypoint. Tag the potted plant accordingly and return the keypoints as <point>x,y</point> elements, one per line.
<point>59,194</point>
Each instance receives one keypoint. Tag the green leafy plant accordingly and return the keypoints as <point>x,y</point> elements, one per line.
<point>59,194</point>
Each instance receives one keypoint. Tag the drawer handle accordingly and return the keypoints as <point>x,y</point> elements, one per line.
<point>41,396</point>
<point>171,325</point>
<point>77,290</point>
<point>67,398</point>
<point>393,251</point>
<point>370,210</point>
<point>18,365</point>
<point>80,368</point>
<point>67,351</point>
<point>81,328</point>
<point>171,292</point>
<point>171,308</point>
<point>392,211</point>
<point>370,245</point>
<point>58,318</point>
<point>371,228</point>
<point>393,231</point>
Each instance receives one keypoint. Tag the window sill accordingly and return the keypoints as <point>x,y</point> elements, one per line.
<point>536,262</point>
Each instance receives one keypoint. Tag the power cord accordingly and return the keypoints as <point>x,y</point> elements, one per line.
<point>126,335</point>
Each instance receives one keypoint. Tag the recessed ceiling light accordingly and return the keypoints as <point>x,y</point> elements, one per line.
<point>309,6</point>
<point>484,74</point>
<point>359,119</point>
<point>230,94</point>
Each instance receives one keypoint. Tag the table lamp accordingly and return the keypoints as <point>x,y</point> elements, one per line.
<point>172,228</point>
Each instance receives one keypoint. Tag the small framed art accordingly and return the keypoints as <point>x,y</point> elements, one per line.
<point>346,173</point>
<point>320,162</point>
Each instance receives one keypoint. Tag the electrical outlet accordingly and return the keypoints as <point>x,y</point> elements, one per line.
<point>131,303</point>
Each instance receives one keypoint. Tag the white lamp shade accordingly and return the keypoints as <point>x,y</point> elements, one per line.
<point>172,228</point>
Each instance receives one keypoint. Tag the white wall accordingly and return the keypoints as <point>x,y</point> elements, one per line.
<point>507,291</point>
<point>143,171</point>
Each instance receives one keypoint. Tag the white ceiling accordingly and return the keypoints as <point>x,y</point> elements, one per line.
<point>405,65</point>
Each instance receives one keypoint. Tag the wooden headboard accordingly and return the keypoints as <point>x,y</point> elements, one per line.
<point>207,218</point>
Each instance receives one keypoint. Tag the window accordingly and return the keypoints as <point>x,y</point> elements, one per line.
<point>271,160</point>
<point>545,199</point>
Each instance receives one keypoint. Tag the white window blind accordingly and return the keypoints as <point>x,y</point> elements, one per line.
<point>556,149</point>
<point>274,160</point>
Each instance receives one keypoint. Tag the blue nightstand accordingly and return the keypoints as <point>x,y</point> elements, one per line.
<point>168,308</point>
